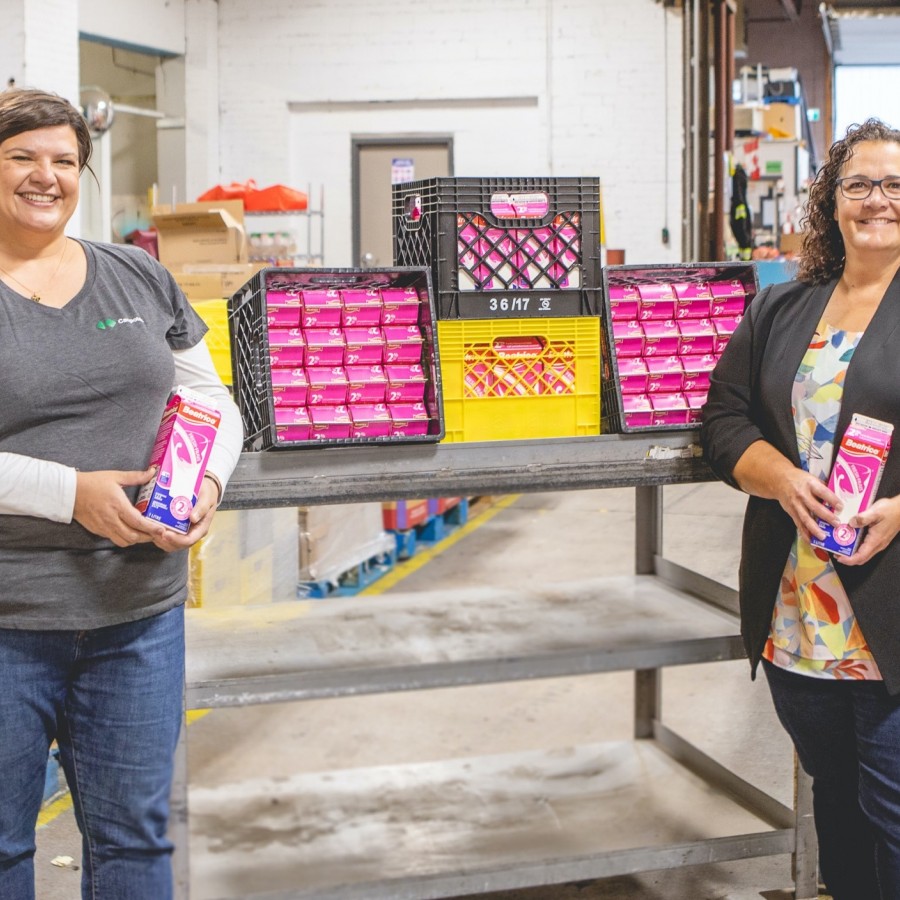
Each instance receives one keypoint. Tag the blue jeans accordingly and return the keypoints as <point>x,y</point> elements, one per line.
<point>112,698</point>
<point>847,736</point>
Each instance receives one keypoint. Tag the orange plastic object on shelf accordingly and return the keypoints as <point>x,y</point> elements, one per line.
<point>275,198</point>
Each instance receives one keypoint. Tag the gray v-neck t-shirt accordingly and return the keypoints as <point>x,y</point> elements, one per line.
<point>85,386</point>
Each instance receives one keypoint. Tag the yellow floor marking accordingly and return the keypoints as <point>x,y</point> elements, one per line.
<point>414,563</point>
<point>52,810</point>
<point>64,803</point>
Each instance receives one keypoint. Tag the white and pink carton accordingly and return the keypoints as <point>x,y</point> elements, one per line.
<point>321,309</point>
<point>693,300</point>
<point>855,476</point>
<point>181,451</point>
<point>657,301</point>
<point>661,337</point>
<point>361,308</point>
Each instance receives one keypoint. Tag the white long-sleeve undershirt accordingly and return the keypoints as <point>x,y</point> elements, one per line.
<point>38,487</point>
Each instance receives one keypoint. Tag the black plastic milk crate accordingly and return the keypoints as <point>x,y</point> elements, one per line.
<point>722,312</point>
<point>503,247</point>
<point>250,348</point>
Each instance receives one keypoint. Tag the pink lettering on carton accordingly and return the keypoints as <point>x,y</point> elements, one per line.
<point>181,451</point>
<point>855,477</point>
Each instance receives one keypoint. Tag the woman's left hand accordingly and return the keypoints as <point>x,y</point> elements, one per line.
<point>201,519</point>
<point>882,521</point>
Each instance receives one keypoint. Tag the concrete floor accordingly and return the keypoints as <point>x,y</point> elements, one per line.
<point>541,538</point>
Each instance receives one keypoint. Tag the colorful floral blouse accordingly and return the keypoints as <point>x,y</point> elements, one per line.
<point>814,630</point>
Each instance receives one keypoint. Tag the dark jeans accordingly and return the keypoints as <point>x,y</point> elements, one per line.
<point>847,736</point>
<point>112,697</point>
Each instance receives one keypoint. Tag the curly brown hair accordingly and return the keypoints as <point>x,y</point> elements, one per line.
<point>823,247</point>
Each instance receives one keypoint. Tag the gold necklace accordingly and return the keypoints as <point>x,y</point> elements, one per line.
<point>35,296</point>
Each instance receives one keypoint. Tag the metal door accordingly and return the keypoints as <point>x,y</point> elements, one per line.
<point>377,163</point>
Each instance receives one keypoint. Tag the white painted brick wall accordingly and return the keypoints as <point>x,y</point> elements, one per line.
<point>593,74</point>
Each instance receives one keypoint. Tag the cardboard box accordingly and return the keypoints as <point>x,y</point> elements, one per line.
<point>215,283</point>
<point>782,121</point>
<point>201,233</point>
<point>791,243</point>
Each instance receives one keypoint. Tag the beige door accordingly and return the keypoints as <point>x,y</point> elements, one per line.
<point>377,163</point>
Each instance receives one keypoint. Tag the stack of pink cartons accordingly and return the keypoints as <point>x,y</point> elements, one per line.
<point>667,337</point>
<point>346,363</point>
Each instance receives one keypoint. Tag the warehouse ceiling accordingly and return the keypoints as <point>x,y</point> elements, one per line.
<point>862,32</point>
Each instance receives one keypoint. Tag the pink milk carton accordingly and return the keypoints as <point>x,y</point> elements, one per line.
<point>657,301</point>
<point>478,379</point>
<point>286,337</point>
<point>287,357</point>
<point>854,478</point>
<point>637,410</point>
<point>365,384</point>
<point>289,387</point>
<point>321,309</point>
<point>408,419</point>
<point>282,309</point>
<point>628,338</point>
<point>292,423</point>
<point>278,299</point>
<point>565,248</point>
<point>728,298</point>
<point>472,273</point>
<point>696,336</point>
<point>406,383</point>
<point>697,370</point>
<point>725,327</point>
<point>669,409</point>
<point>497,250</point>
<point>400,306</point>
<point>402,344</point>
<point>181,451</point>
<point>624,302</point>
<point>364,346</point>
<point>695,401</point>
<point>534,256</point>
<point>517,379</point>
<point>693,300</point>
<point>329,423</point>
<point>369,420</point>
<point>282,316</point>
<point>324,346</point>
<point>665,374</point>
<point>361,308</point>
<point>557,377</point>
<point>633,375</point>
<point>327,385</point>
<point>661,337</point>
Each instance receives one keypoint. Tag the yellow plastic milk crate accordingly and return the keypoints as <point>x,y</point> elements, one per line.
<point>215,314</point>
<point>510,379</point>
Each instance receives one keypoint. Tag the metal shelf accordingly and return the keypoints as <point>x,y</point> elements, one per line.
<point>663,616</point>
<point>352,474</point>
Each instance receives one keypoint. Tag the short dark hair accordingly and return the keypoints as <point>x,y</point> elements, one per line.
<point>822,257</point>
<point>27,109</point>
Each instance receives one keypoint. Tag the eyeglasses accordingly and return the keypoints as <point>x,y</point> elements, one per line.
<point>858,187</point>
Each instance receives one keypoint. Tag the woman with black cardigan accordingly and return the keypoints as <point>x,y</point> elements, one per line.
<point>825,627</point>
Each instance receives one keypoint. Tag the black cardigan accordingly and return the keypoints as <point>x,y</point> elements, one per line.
<point>750,399</point>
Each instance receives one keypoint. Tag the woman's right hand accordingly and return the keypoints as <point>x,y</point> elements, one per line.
<point>104,509</point>
<point>765,472</point>
<point>806,499</point>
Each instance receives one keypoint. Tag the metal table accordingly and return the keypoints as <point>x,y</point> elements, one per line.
<point>340,647</point>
